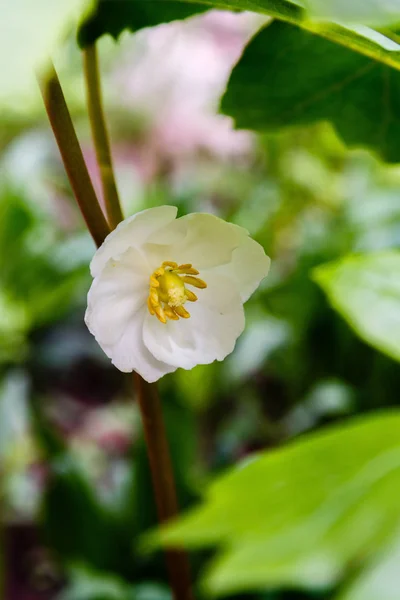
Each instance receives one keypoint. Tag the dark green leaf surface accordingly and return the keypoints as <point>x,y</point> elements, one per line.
<point>288,76</point>
<point>114,17</point>
<point>366,292</point>
<point>302,515</point>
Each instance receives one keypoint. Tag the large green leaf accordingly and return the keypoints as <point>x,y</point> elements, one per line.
<point>30,31</point>
<point>288,76</point>
<point>366,292</point>
<point>302,515</point>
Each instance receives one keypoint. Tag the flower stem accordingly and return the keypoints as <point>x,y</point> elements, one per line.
<point>148,400</point>
<point>100,135</point>
<point>71,153</point>
<point>163,481</point>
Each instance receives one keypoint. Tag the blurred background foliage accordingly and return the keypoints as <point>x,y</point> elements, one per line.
<point>76,494</point>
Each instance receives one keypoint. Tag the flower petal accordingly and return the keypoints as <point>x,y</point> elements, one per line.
<point>212,243</point>
<point>116,294</point>
<point>133,231</point>
<point>217,320</point>
<point>248,267</point>
<point>209,241</point>
<point>130,353</point>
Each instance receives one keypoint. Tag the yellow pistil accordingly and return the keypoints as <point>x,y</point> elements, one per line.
<point>168,292</point>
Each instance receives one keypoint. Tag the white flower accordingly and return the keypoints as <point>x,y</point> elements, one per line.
<point>142,308</point>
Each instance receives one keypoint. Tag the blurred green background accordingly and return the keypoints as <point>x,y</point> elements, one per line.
<point>75,489</point>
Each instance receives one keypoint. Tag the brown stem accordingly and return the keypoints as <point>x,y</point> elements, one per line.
<point>71,153</point>
<point>149,402</point>
<point>163,481</point>
<point>100,136</point>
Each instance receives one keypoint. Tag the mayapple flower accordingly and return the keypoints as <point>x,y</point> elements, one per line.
<point>169,293</point>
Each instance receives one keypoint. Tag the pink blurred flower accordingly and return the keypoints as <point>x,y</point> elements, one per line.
<point>177,76</point>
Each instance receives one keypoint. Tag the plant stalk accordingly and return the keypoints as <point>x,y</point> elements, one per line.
<point>100,135</point>
<point>148,399</point>
<point>71,154</point>
<point>163,481</point>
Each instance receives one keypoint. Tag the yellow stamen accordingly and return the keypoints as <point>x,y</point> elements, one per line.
<point>191,296</point>
<point>154,296</point>
<point>150,307</point>
<point>188,271</point>
<point>182,312</point>
<point>160,314</point>
<point>168,293</point>
<point>169,312</point>
<point>195,281</point>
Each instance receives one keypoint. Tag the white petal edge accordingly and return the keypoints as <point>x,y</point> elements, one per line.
<point>130,353</point>
<point>118,292</point>
<point>248,267</point>
<point>217,320</point>
<point>132,232</point>
<point>202,239</point>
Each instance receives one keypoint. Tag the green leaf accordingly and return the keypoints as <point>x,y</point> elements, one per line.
<point>372,12</point>
<point>311,79</point>
<point>301,515</point>
<point>365,290</point>
<point>114,17</point>
<point>30,32</point>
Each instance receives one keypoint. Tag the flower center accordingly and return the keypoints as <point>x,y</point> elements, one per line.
<point>168,292</point>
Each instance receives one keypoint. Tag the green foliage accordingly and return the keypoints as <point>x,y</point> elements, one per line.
<point>302,515</point>
<point>114,17</point>
<point>366,292</point>
<point>311,80</point>
<point>326,72</point>
<point>36,287</point>
<point>133,15</point>
<point>325,508</point>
